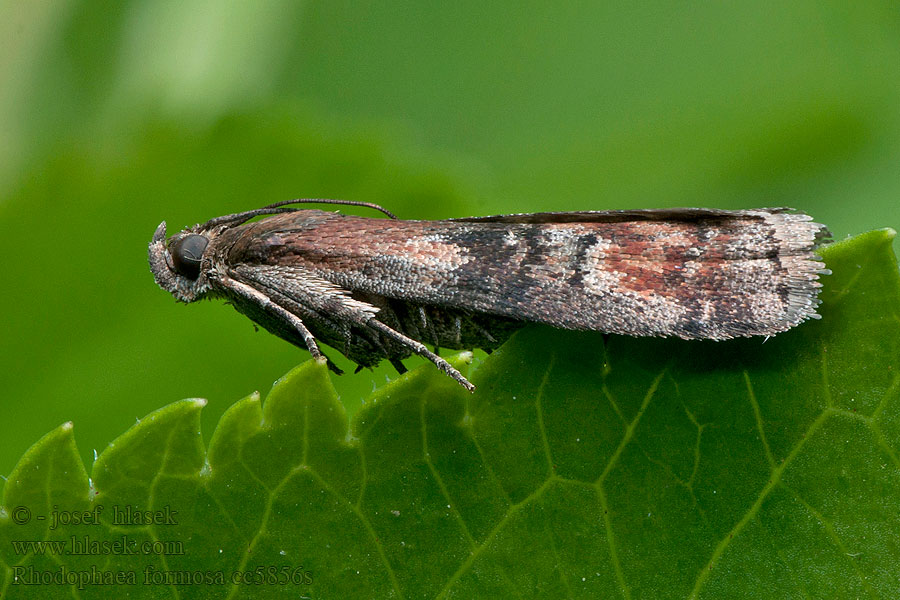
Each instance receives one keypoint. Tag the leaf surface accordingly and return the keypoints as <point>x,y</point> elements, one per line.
<point>582,467</point>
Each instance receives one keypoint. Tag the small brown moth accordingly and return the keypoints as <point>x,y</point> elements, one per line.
<point>382,288</point>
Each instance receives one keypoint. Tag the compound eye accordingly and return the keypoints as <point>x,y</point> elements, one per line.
<point>186,254</point>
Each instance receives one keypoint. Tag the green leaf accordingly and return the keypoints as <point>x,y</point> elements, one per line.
<point>631,469</point>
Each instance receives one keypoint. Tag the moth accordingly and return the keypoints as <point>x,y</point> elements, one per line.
<point>383,288</point>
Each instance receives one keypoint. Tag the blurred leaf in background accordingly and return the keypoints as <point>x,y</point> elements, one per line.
<point>117,115</point>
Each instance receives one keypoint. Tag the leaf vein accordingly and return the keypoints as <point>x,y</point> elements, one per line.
<point>757,414</point>
<point>540,415</point>
<point>426,456</point>
<point>611,542</point>
<point>479,548</point>
<point>828,526</point>
<point>774,479</point>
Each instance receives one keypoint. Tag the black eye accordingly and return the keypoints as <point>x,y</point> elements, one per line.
<point>186,254</point>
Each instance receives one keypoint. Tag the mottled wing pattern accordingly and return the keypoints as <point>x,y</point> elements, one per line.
<point>692,273</point>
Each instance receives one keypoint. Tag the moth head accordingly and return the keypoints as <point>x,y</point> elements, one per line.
<point>177,263</point>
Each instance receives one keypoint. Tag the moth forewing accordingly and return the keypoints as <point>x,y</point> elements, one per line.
<point>382,288</point>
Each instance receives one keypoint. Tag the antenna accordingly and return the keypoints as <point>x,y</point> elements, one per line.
<point>325,201</point>
<point>273,209</point>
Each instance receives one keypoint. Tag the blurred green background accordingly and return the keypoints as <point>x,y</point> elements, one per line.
<point>117,115</point>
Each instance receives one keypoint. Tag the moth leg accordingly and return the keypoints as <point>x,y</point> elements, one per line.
<point>430,327</point>
<point>487,334</point>
<point>374,339</point>
<point>331,366</point>
<point>348,339</point>
<point>266,303</point>
<point>420,349</point>
<point>401,368</point>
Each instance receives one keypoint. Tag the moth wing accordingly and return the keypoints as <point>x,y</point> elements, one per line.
<point>688,272</point>
<point>620,216</point>
<point>692,273</point>
<point>684,215</point>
